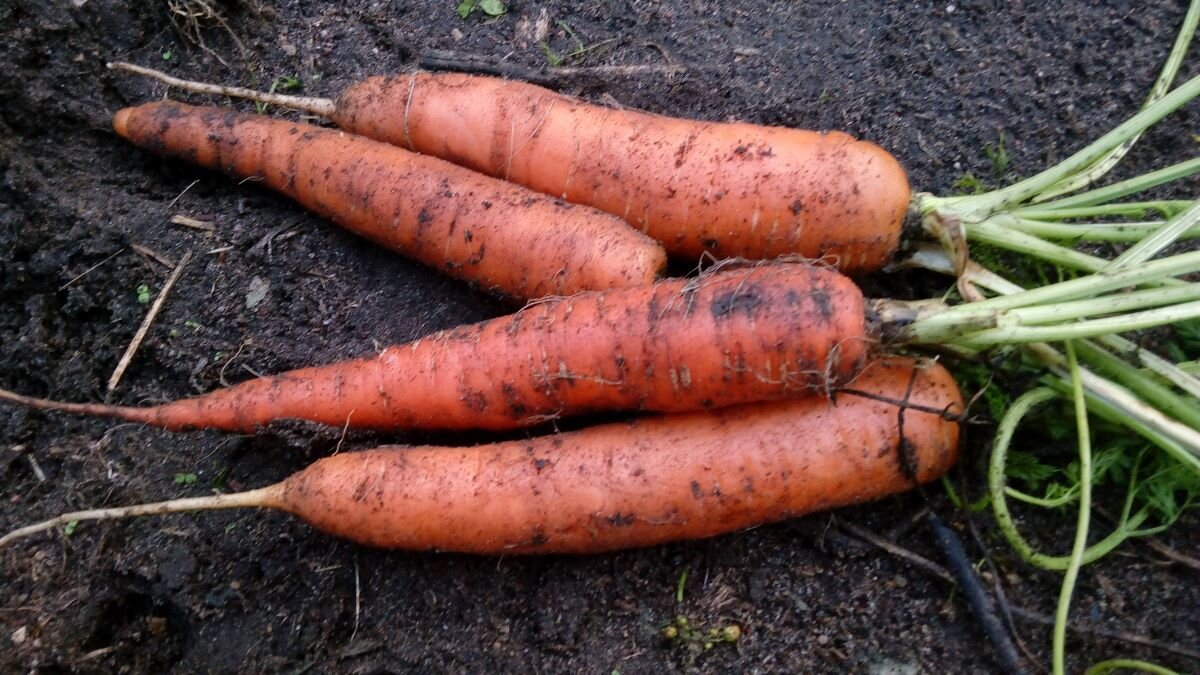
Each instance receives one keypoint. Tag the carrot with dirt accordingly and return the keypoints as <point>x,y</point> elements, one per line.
<point>735,335</point>
<point>727,189</point>
<point>623,485</point>
<point>732,336</point>
<point>500,236</point>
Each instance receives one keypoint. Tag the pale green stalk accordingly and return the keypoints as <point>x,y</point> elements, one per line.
<point>1110,232</point>
<point>1163,237</point>
<point>1085,513</point>
<point>1113,665</point>
<point>1002,335</point>
<point>1163,207</point>
<point>983,205</point>
<point>1165,78</point>
<point>1124,188</point>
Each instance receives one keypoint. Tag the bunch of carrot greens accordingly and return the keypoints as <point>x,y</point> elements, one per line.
<point>1069,328</point>
<point>1148,407</point>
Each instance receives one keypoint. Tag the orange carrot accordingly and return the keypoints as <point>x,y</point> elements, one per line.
<point>627,484</point>
<point>734,190</point>
<point>498,235</point>
<point>733,336</point>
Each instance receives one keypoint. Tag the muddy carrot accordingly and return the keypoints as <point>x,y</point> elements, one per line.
<point>623,485</point>
<point>729,189</point>
<point>733,336</point>
<point>502,237</point>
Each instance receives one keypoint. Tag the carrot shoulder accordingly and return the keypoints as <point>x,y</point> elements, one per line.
<point>734,336</point>
<point>730,189</point>
<point>500,236</point>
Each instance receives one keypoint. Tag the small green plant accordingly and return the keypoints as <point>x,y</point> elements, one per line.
<point>1186,345</point>
<point>489,7</point>
<point>279,84</point>
<point>556,59</point>
<point>166,56</point>
<point>143,294</point>
<point>968,184</point>
<point>680,586</point>
<point>185,478</point>
<point>69,528</point>
<point>218,483</point>
<point>998,155</point>
<point>680,632</point>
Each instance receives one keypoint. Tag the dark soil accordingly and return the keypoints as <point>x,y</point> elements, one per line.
<point>261,592</point>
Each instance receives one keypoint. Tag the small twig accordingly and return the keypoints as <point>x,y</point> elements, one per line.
<point>37,468</point>
<point>1171,554</point>
<point>997,588</point>
<point>181,194</point>
<point>89,270</point>
<point>1159,547</point>
<point>977,597</point>
<point>192,223</point>
<point>357,599</point>
<point>153,255</point>
<point>909,523</point>
<point>1034,617</point>
<point>141,332</point>
<point>897,550</point>
<point>468,63</point>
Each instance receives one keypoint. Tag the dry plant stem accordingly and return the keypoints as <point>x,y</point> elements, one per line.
<point>998,593</point>
<point>468,63</point>
<point>262,497</point>
<point>977,598</point>
<point>310,104</point>
<point>1035,617</point>
<point>896,550</point>
<point>1160,88</point>
<point>141,331</point>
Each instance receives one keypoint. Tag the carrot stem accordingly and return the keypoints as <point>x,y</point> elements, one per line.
<point>1110,399</point>
<point>1161,238</point>
<point>1124,188</point>
<point>1114,232</point>
<point>1021,191</point>
<point>1164,207</point>
<point>1161,85</point>
<point>1083,521</point>
<point>1083,329</point>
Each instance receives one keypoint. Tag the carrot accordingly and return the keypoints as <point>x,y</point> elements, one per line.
<point>730,189</point>
<point>627,484</point>
<point>729,337</point>
<point>500,236</point>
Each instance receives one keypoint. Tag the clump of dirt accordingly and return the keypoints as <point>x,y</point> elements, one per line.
<point>85,222</point>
